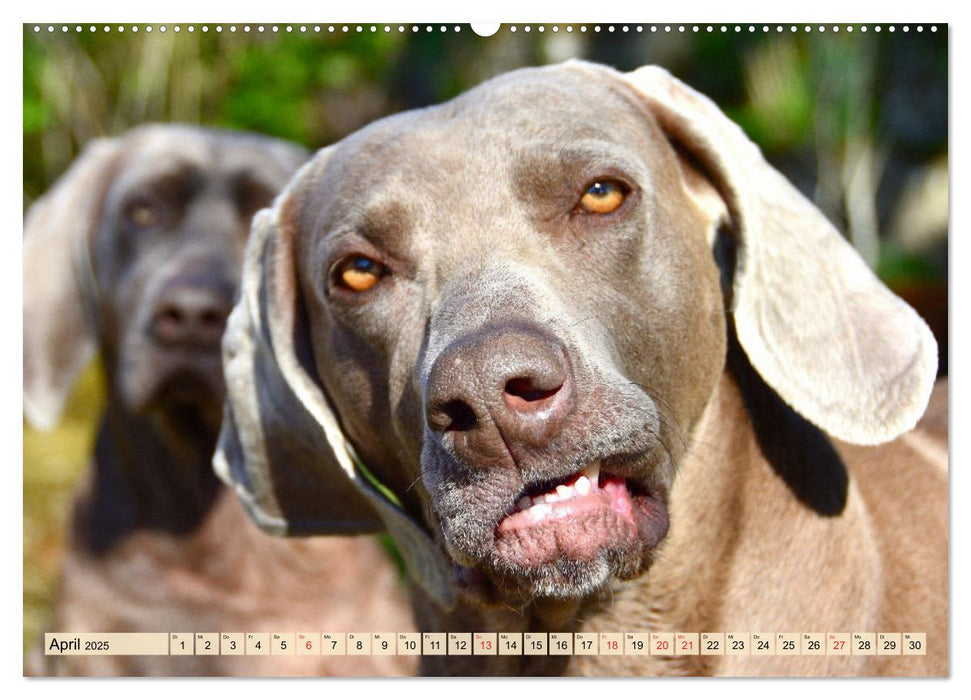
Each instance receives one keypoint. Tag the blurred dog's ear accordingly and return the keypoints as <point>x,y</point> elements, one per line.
<point>281,446</point>
<point>814,320</point>
<point>59,339</point>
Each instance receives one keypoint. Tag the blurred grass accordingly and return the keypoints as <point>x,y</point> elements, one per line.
<point>54,461</point>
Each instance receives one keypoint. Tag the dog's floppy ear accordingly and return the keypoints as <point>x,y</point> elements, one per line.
<point>273,447</point>
<point>59,339</point>
<point>281,445</point>
<point>814,320</point>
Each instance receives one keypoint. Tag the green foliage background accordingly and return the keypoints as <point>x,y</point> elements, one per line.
<point>859,121</point>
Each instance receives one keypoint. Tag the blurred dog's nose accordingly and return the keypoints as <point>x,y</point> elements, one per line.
<point>504,388</point>
<point>191,314</point>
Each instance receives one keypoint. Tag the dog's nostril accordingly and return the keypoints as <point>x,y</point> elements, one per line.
<point>169,323</point>
<point>212,319</point>
<point>190,316</point>
<point>525,394</point>
<point>171,316</point>
<point>453,415</point>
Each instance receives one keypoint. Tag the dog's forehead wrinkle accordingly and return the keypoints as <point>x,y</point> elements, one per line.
<point>148,176</point>
<point>215,158</point>
<point>601,155</point>
<point>189,170</point>
<point>381,213</point>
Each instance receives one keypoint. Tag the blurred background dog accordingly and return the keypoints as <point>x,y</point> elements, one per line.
<point>135,254</point>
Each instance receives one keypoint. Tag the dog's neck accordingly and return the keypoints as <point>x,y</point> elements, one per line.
<point>142,479</point>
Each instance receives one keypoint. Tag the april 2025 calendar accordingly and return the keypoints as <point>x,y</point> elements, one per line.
<point>488,644</point>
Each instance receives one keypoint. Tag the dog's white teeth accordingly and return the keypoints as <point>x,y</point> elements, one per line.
<point>593,473</point>
<point>586,483</point>
<point>562,493</point>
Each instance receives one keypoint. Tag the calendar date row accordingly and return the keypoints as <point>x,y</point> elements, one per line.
<point>489,643</point>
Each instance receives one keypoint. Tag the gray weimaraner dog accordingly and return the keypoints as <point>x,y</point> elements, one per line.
<point>595,366</point>
<point>136,253</point>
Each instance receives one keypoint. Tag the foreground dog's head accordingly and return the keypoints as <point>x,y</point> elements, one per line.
<point>136,251</point>
<point>498,320</point>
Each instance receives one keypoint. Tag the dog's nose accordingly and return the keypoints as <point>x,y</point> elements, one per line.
<point>190,313</point>
<point>501,389</point>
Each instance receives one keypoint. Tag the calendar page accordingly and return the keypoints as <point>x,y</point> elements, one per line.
<point>521,349</point>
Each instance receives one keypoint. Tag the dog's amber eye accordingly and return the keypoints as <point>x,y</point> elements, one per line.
<point>358,273</point>
<point>603,197</point>
<point>142,215</point>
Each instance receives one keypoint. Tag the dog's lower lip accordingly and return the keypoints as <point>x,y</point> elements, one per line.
<point>613,514</point>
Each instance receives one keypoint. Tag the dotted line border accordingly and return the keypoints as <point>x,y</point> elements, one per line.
<point>513,29</point>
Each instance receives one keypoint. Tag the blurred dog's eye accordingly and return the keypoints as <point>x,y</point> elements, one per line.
<point>142,215</point>
<point>603,197</point>
<point>358,273</point>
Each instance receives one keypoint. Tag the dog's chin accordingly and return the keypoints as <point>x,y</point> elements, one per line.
<point>182,399</point>
<point>564,578</point>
